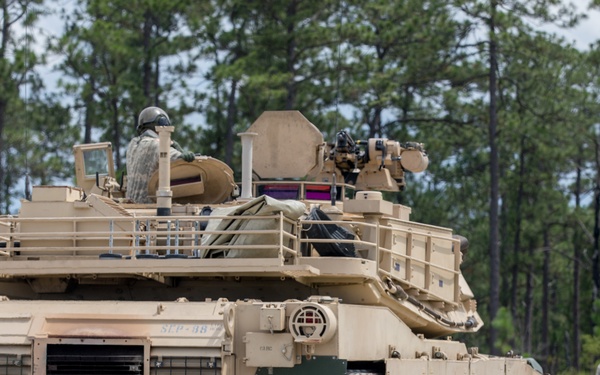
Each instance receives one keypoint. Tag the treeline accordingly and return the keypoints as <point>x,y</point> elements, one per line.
<point>509,115</point>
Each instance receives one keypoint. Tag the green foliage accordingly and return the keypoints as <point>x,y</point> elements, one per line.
<point>506,329</point>
<point>591,348</point>
<point>591,341</point>
<point>115,51</point>
<point>30,142</point>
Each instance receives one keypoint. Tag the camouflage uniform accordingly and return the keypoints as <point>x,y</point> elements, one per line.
<point>142,162</point>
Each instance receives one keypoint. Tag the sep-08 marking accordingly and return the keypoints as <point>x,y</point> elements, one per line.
<point>188,329</point>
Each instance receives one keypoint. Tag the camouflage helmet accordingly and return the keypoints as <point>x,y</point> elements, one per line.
<point>150,117</point>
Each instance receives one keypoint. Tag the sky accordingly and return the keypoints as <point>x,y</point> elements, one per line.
<point>586,33</point>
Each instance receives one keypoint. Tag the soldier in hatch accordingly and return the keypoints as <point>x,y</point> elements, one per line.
<point>142,153</point>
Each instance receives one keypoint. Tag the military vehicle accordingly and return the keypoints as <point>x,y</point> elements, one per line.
<point>304,270</point>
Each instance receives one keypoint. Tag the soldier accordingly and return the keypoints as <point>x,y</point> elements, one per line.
<point>142,153</point>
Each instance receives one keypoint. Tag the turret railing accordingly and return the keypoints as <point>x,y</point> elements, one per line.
<point>414,256</point>
<point>56,237</point>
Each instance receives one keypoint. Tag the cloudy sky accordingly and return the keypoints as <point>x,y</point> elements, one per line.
<point>587,32</point>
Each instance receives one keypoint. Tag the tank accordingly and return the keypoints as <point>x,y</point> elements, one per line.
<point>301,268</point>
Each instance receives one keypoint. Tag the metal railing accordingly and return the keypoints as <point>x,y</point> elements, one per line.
<point>413,257</point>
<point>162,236</point>
<point>425,260</point>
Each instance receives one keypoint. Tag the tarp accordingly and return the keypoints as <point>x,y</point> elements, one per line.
<point>261,206</point>
<point>328,231</point>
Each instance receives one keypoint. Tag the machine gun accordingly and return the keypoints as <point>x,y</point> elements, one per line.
<point>375,164</point>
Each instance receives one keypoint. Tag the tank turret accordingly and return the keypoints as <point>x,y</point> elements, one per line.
<point>306,269</point>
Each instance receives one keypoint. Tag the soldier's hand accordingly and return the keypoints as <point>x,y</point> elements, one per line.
<point>188,156</point>
<point>177,146</point>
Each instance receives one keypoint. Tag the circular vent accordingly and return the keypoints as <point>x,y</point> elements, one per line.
<point>312,323</point>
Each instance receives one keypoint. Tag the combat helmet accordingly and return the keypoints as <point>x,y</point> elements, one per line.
<point>150,117</point>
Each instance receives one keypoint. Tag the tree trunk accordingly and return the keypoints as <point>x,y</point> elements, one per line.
<point>157,81</point>
<point>147,63</point>
<point>528,324</point>
<point>494,167</point>
<point>290,101</point>
<point>4,188</point>
<point>576,267</point>
<point>4,196</point>
<point>372,116</point>
<point>596,255</point>
<point>116,131</point>
<point>517,239</point>
<point>546,298</point>
<point>89,105</point>
<point>231,115</point>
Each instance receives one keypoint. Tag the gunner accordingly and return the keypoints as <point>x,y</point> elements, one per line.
<point>142,153</point>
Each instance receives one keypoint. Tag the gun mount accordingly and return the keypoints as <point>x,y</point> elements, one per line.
<point>379,165</point>
<point>289,146</point>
